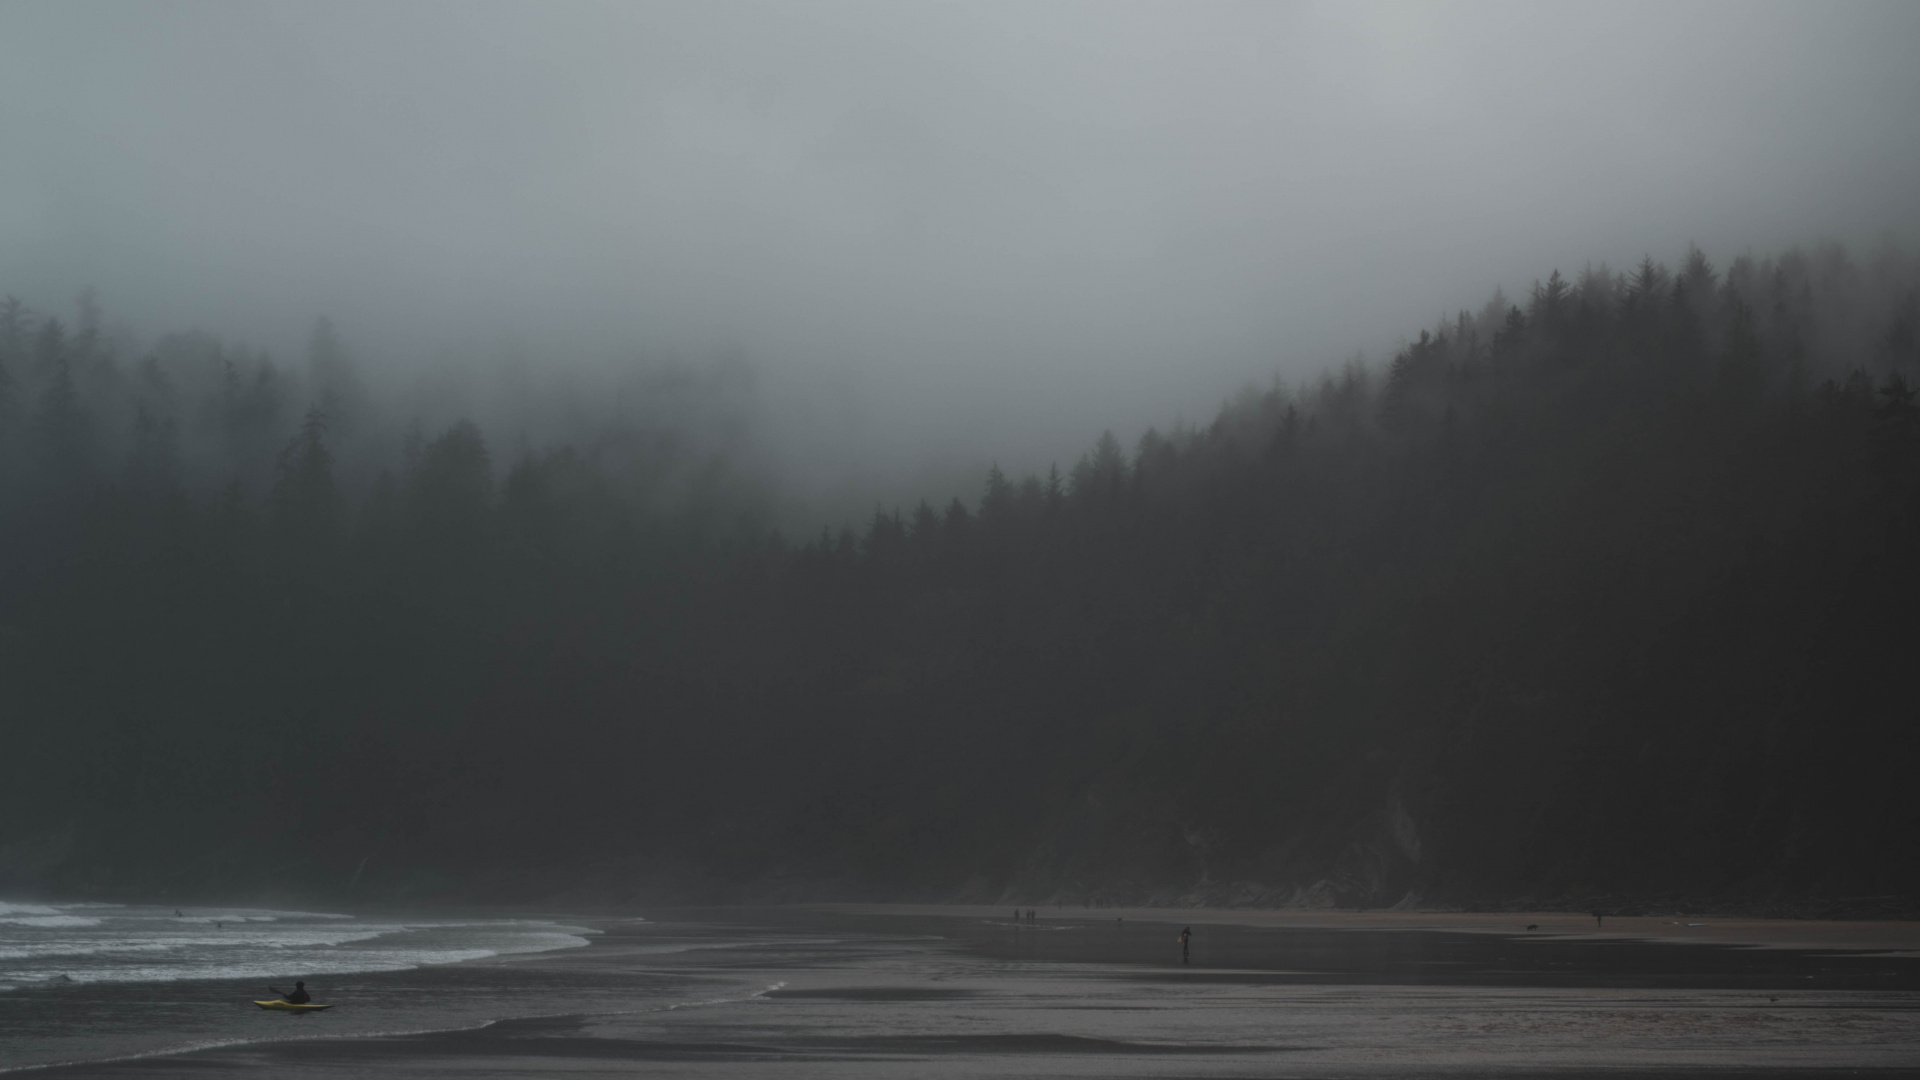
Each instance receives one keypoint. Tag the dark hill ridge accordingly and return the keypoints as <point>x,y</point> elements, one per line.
<point>1604,600</point>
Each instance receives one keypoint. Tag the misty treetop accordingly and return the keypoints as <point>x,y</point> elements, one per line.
<point>1603,591</point>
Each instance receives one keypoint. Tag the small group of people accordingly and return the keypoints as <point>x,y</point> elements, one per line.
<point>1018,916</point>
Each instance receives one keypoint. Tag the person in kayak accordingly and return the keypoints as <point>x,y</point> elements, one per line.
<point>298,997</point>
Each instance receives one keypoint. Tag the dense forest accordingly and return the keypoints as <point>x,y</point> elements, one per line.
<point>1605,595</point>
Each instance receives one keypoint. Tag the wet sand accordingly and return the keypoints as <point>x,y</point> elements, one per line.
<point>885,991</point>
<point>1883,935</point>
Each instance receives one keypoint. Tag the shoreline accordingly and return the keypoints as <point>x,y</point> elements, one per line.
<point>851,991</point>
<point>1888,936</point>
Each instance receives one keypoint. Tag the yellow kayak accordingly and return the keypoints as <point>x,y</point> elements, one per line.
<point>288,1006</point>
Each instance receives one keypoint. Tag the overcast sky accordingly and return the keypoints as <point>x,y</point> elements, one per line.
<point>969,229</point>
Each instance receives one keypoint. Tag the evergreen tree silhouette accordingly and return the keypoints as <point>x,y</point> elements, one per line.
<point>451,487</point>
<point>13,349</point>
<point>60,421</point>
<point>996,502</point>
<point>153,464</point>
<point>305,501</point>
<point>338,391</point>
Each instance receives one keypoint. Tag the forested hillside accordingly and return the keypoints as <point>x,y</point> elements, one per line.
<point>1603,596</point>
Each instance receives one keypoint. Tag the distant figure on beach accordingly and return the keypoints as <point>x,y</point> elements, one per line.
<point>176,913</point>
<point>1596,921</point>
<point>1186,939</point>
<point>298,997</point>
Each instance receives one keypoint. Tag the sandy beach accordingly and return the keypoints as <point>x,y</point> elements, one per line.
<point>901,990</point>
<point>1883,935</point>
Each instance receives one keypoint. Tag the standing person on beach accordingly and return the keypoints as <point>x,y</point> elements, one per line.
<point>1186,938</point>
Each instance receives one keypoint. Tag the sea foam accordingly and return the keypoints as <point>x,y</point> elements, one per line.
<point>42,944</point>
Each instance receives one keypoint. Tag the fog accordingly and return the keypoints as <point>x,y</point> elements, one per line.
<point>937,235</point>
<point>548,451</point>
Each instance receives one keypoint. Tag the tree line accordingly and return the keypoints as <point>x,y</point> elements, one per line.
<point>1603,594</point>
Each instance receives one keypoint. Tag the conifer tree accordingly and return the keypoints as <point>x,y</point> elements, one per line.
<point>338,391</point>
<point>1646,286</point>
<point>452,486</point>
<point>1698,273</point>
<point>1551,301</point>
<point>925,529</point>
<point>60,418</point>
<point>997,500</point>
<point>13,341</point>
<point>153,464</point>
<point>305,500</point>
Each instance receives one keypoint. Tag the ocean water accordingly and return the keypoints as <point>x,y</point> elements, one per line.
<point>49,944</point>
<point>724,993</point>
<point>86,981</point>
